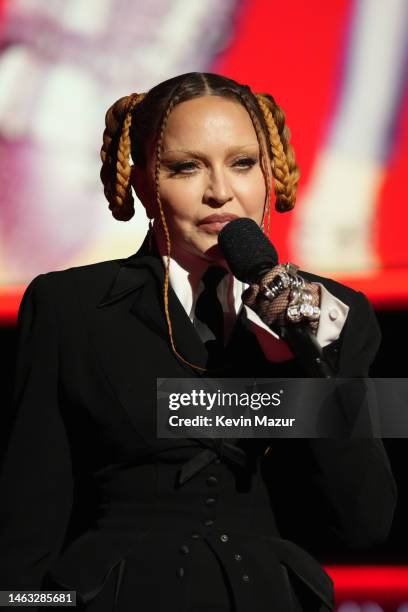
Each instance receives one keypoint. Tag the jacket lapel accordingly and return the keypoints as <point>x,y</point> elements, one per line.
<point>148,306</point>
<point>143,275</point>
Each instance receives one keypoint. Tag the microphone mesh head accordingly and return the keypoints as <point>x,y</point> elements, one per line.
<point>246,249</point>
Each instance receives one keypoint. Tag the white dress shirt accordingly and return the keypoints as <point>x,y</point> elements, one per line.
<point>188,285</point>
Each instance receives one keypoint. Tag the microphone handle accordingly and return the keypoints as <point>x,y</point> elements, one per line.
<point>303,344</point>
<point>306,350</point>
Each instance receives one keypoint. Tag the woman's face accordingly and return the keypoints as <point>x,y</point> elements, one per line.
<point>210,173</point>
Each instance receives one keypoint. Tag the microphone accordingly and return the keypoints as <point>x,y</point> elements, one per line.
<point>250,255</point>
<point>247,250</point>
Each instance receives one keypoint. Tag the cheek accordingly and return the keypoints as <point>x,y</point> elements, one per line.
<point>179,197</point>
<point>252,193</point>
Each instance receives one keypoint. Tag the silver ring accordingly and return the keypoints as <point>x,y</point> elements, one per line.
<point>291,268</point>
<point>306,297</point>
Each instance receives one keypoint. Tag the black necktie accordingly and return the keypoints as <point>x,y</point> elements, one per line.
<point>209,315</point>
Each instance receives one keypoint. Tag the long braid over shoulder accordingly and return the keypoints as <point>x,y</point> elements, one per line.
<point>173,101</point>
<point>115,151</point>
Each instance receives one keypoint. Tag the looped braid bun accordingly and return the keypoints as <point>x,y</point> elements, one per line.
<point>115,151</point>
<point>284,169</point>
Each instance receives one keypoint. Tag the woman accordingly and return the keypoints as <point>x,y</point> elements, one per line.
<point>93,501</point>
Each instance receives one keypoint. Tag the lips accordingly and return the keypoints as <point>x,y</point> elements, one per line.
<point>214,223</point>
<point>220,218</point>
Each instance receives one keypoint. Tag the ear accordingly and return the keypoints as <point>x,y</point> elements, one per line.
<point>143,189</point>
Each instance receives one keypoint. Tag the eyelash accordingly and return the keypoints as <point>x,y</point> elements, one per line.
<point>180,166</point>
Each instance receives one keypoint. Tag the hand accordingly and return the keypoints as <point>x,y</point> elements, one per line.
<point>275,311</point>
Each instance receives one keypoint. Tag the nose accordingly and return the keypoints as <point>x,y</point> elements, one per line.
<point>218,189</point>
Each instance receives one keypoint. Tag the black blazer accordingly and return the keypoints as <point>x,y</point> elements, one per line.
<point>90,499</point>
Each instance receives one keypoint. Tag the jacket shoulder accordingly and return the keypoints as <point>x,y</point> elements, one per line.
<point>90,279</point>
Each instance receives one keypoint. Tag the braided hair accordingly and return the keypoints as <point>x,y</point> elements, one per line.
<point>135,125</point>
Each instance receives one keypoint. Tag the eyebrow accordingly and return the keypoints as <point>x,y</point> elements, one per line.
<point>195,153</point>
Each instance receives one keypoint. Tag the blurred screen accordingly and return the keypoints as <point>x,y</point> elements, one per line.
<point>338,69</point>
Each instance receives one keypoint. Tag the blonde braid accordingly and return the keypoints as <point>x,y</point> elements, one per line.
<point>170,107</point>
<point>284,169</point>
<point>265,161</point>
<point>115,151</point>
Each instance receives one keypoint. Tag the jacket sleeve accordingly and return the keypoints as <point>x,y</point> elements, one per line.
<point>344,486</point>
<point>276,349</point>
<point>36,484</point>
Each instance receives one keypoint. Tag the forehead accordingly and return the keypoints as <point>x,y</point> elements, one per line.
<point>208,121</point>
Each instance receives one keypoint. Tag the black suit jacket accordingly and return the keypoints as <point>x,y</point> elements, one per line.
<point>90,498</point>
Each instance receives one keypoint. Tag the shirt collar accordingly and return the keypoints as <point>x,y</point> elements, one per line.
<point>187,285</point>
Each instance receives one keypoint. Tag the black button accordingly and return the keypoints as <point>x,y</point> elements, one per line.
<point>210,501</point>
<point>212,481</point>
<point>184,549</point>
<point>195,536</point>
<point>245,578</point>
<point>180,572</point>
<point>208,522</point>
<point>237,557</point>
<point>224,537</point>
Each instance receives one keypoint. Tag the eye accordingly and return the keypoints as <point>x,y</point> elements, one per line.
<point>186,167</point>
<point>189,167</point>
<point>245,163</point>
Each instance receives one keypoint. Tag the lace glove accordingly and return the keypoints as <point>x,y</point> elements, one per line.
<point>295,301</point>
